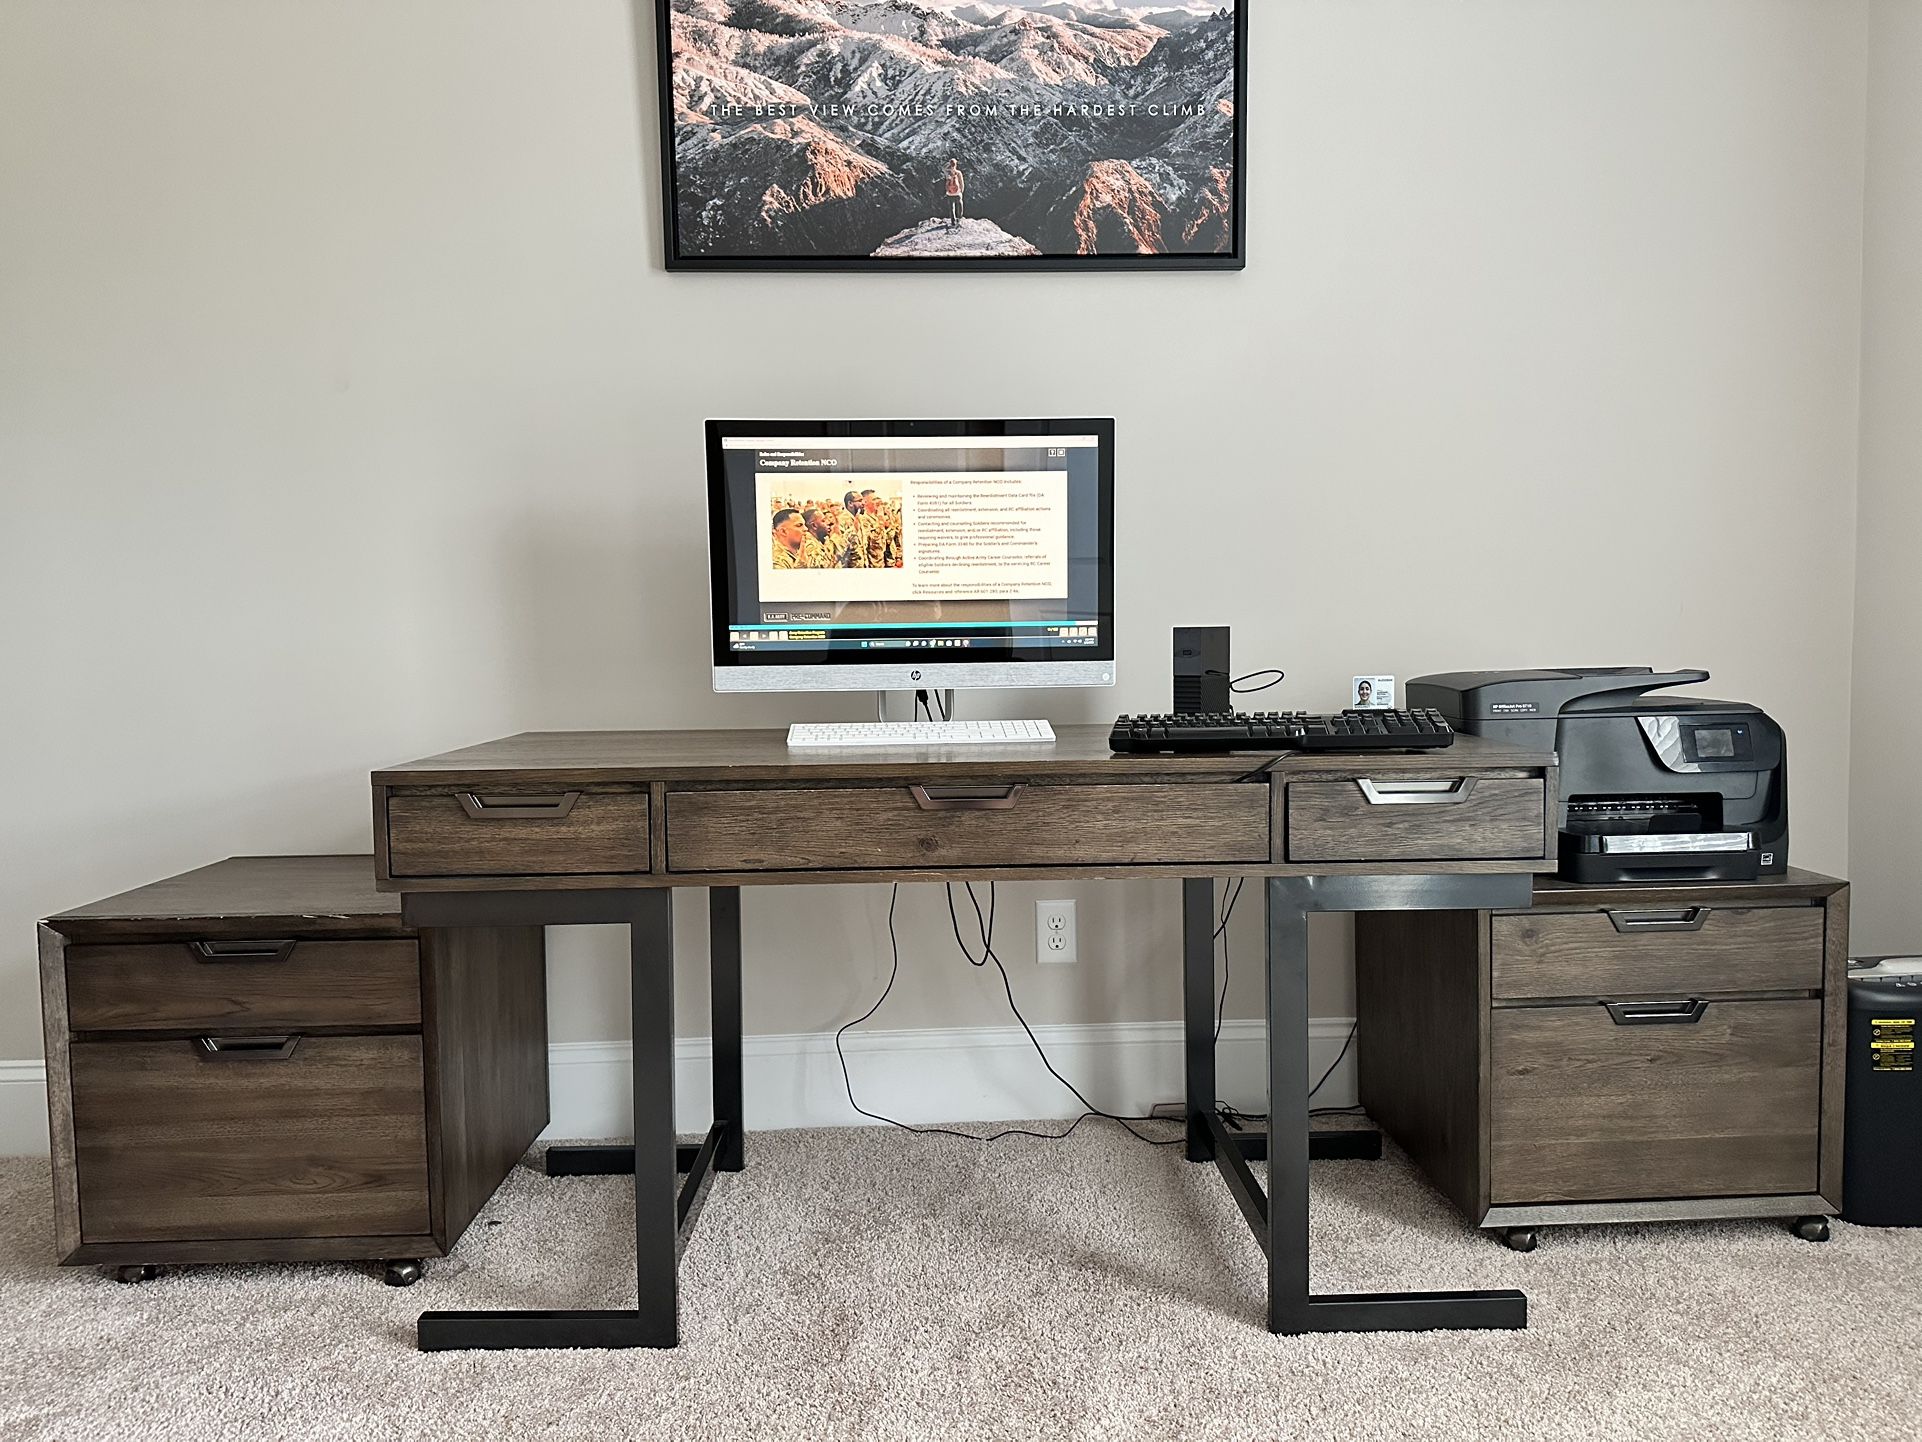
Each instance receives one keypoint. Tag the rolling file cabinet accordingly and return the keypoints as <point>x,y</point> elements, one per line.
<point>1633,1053</point>
<point>257,1061</point>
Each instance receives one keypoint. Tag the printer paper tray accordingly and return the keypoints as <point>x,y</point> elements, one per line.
<point>1652,843</point>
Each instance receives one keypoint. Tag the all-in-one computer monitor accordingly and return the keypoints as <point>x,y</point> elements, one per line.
<point>897,555</point>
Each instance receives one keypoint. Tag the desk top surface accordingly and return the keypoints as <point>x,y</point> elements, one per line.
<point>324,893</point>
<point>763,755</point>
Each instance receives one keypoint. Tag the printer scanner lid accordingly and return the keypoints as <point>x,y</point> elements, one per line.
<point>1514,695</point>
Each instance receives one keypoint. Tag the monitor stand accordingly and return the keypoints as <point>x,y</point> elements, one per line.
<point>942,703</point>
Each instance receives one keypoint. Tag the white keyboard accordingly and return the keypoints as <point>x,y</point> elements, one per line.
<point>918,733</point>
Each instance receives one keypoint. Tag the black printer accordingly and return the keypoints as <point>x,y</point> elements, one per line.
<point>1652,788</point>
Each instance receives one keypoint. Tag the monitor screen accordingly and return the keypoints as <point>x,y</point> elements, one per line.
<point>869,555</point>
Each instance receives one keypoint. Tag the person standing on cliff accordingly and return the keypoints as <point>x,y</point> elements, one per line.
<point>957,192</point>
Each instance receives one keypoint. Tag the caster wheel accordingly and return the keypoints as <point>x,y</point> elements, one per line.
<point>1519,1239</point>
<point>135,1272</point>
<point>1811,1229</point>
<point>403,1273</point>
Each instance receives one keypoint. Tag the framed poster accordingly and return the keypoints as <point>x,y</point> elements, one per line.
<point>953,134</point>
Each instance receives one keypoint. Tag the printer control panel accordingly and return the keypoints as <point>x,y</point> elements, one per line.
<point>1705,744</point>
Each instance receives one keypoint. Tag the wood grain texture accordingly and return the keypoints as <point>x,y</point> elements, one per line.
<point>269,895</point>
<point>1569,953</point>
<point>1501,819</point>
<point>883,827</point>
<point>545,758</point>
<point>1835,1043</point>
<point>166,986</point>
<point>328,1142</point>
<point>934,875</point>
<point>486,1062</point>
<point>1419,1026</point>
<point>430,834</point>
<point>1582,1109</point>
<point>55,1033</point>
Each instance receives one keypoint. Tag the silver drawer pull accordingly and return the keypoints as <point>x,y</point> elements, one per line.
<point>1692,918</point>
<point>1417,793</point>
<point>245,1048</point>
<point>243,950</point>
<point>510,808</point>
<point>965,798</point>
<point>1657,1013</point>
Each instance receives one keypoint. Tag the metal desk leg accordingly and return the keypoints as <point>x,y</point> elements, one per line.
<point>1292,1308</point>
<point>724,970</point>
<point>1198,1009</point>
<point>665,1207</point>
<point>657,1217</point>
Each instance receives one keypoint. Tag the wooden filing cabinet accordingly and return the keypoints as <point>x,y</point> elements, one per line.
<point>257,1061</point>
<point>1615,1054</point>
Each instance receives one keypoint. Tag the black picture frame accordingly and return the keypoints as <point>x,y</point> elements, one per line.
<point>1233,259</point>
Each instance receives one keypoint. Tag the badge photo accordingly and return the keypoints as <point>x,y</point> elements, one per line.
<point>1372,693</point>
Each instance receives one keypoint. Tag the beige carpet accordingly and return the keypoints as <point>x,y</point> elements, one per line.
<point>871,1284</point>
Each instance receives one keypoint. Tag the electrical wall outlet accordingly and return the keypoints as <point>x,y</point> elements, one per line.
<point>1054,931</point>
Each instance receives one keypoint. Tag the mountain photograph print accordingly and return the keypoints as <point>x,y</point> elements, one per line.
<point>953,134</point>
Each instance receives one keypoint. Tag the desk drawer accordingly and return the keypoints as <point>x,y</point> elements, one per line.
<point>1395,818</point>
<point>575,831</point>
<point>260,984</point>
<point>329,1140</point>
<point>903,828</point>
<point>1678,951</point>
<point>1586,1109</point>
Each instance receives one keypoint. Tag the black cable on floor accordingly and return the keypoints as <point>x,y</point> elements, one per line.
<point>894,970</point>
<point>985,927</point>
<point>1234,1117</point>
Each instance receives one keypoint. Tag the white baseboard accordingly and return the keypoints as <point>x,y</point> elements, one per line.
<point>969,1074</point>
<point>23,1109</point>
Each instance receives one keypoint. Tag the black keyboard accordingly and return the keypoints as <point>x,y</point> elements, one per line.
<point>1283,731</point>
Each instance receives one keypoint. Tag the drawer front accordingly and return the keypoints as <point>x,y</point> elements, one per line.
<point>267,983</point>
<point>1464,818</point>
<point>327,1141</point>
<point>901,828</point>
<point>1682,951</point>
<point>1583,1108</point>
<point>597,831</point>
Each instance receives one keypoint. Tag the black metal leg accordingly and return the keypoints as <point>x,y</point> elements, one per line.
<point>724,951</point>
<point>1287,948</point>
<point>1198,1009</point>
<point>663,1206</point>
<point>1292,1308</point>
<point>656,1179</point>
<point>1353,1144</point>
<point>590,1161</point>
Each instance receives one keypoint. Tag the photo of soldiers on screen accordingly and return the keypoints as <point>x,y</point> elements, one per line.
<point>858,531</point>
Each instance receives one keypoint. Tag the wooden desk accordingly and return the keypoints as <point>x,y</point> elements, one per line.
<point>597,827</point>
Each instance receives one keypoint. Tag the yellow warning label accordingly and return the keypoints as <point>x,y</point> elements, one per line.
<point>1892,1056</point>
<point>1892,1043</point>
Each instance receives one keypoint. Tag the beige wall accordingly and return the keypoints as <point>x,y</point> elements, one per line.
<point>347,414</point>
<point>1885,831</point>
